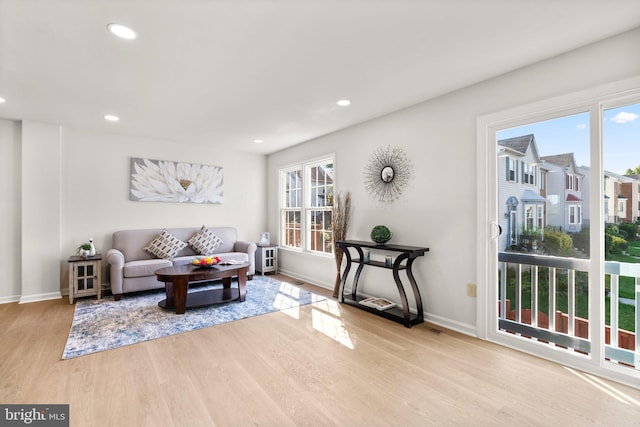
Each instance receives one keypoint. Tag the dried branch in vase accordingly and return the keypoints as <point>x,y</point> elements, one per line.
<point>340,225</point>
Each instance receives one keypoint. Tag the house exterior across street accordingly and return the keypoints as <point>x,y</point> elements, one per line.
<point>535,192</point>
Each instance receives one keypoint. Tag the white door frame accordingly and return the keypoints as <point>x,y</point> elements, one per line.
<point>594,101</point>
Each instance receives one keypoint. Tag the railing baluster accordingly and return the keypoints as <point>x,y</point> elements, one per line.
<point>503,290</point>
<point>571,301</point>
<point>534,296</point>
<point>552,298</point>
<point>613,307</point>
<point>518,291</point>
<point>637,325</point>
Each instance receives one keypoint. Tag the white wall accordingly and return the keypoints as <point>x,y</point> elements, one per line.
<point>10,230</point>
<point>77,187</point>
<point>439,210</point>
<point>40,212</point>
<point>96,184</point>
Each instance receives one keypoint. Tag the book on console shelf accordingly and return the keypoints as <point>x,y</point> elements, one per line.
<point>378,303</point>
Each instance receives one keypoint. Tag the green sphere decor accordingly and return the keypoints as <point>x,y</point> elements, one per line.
<point>380,234</point>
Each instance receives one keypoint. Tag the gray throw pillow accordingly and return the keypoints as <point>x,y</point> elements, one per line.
<point>165,246</point>
<point>204,241</point>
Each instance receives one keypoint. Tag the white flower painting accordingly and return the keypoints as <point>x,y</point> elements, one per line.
<point>166,181</point>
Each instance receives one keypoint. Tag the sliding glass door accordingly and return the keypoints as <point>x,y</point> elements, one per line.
<point>544,262</point>
<point>560,233</point>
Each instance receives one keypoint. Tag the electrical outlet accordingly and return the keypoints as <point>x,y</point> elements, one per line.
<point>471,289</point>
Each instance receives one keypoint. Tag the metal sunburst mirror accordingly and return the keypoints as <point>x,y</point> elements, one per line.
<point>387,173</point>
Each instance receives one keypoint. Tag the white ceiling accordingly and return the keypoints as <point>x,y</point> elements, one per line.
<point>224,73</point>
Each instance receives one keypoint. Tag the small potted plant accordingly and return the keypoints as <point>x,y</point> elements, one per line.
<point>381,234</point>
<point>84,250</point>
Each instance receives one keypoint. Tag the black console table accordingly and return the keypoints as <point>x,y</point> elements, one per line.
<point>408,254</point>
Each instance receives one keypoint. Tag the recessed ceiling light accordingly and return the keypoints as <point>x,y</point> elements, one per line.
<point>343,102</point>
<point>2,100</point>
<point>258,141</point>
<point>122,31</point>
<point>111,118</point>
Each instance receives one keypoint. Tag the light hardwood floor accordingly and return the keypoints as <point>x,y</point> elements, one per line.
<point>319,365</point>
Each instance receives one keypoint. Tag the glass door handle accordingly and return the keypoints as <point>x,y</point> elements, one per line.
<point>496,230</point>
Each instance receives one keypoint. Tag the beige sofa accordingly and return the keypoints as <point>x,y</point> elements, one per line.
<point>132,268</point>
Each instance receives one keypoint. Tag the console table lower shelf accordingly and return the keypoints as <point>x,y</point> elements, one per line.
<point>394,313</point>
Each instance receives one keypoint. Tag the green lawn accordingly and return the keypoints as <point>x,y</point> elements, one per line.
<point>626,285</point>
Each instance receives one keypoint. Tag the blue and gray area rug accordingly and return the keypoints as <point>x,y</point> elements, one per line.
<point>107,324</point>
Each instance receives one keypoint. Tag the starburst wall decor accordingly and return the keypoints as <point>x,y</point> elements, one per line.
<point>387,174</point>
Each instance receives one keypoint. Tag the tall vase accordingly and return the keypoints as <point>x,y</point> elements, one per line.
<point>92,251</point>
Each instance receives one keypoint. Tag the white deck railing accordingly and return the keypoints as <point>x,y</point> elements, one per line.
<point>566,329</point>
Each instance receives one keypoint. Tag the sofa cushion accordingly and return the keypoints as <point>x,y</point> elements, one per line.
<point>144,268</point>
<point>204,242</point>
<point>165,245</point>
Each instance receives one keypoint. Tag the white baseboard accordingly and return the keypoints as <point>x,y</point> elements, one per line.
<point>463,328</point>
<point>40,297</point>
<point>7,300</point>
<point>306,279</point>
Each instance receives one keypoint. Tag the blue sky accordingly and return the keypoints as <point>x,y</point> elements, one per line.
<point>621,131</point>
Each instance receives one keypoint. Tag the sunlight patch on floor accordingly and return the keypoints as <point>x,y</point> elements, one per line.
<point>289,289</point>
<point>604,387</point>
<point>330,306</point>
<point>287,305</point>
<point>325,317</point>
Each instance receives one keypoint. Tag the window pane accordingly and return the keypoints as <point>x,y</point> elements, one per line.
<point>321,185</point>
<point>550,189</point>
<point>293,189</point>
<point>292,229</point>
<point>544,211</point>
<point>320,233</point>
<point>621,155</point>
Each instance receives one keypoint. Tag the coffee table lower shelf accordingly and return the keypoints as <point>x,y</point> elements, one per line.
<point>395,313</point>
<point>209,297</point>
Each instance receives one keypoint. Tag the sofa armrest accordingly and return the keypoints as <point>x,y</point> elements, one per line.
<point>115,258</point>
<point>250,249</point>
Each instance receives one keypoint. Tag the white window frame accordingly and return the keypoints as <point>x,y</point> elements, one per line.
<point>511,170</point>
<point>530,215</point>
<point>306,209</point>
<point>288,210</point>
<point>540,219</point>
<point>575,214</point>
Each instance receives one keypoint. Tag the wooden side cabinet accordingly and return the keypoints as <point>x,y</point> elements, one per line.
<point>85,277</point>
<point>267,259</point>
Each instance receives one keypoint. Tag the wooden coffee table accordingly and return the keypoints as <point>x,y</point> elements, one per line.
<point>176,282</point>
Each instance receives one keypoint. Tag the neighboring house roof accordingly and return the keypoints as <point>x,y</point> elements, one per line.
<point>521,144</point>
<point>573,198</point>
<point>518,143</point>
<point>566,160</point>
<point>532,196</point>
<point>620,178</point>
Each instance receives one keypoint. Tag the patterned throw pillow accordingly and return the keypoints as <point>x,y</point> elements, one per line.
<point>165,245</point>
<point>204,241</point>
